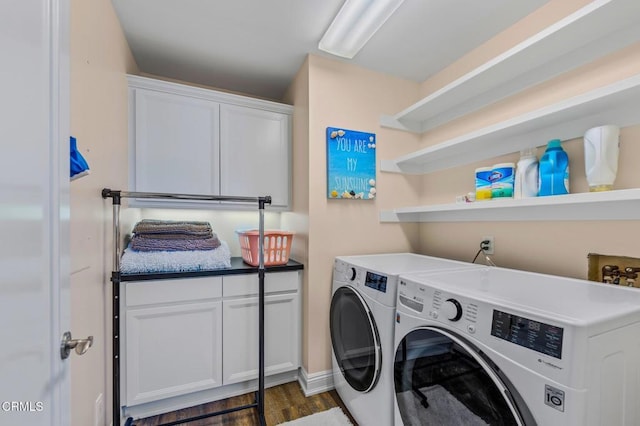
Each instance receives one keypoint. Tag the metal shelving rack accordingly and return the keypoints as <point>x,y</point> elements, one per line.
<point>116,197</point>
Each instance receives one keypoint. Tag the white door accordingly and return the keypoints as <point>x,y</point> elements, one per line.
<point>34,212</point>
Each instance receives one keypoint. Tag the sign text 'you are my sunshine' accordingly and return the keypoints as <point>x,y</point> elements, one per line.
<point>351,164</point>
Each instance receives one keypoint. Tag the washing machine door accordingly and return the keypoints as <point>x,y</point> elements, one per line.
<point>440,379</point>
<point>355,339</point>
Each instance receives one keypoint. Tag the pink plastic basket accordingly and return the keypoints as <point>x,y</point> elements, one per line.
<point>276,246</point>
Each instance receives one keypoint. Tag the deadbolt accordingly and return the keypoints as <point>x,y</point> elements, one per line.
<point>80,345</point>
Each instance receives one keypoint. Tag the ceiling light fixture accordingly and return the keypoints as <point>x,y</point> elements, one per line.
<point>355,24</point>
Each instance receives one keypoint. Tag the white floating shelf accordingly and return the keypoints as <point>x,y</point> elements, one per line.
<point>611,205</point>
<point>568,119</point>
<point>594,31</point>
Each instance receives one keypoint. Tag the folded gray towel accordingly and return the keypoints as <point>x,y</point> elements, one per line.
<point>150,227</point>
<point>157,244</point>
<point>176,236</point>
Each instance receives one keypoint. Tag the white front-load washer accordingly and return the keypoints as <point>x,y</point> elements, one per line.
<point>504,347</point>
<point>362,324</point>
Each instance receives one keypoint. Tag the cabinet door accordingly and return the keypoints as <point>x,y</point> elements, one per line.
<point>172,350</point>
<point>255,153</point>
<point>175,143</point>
<point>240,336</point>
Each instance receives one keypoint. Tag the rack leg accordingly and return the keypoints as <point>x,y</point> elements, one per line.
<point>261,350</point>
<point>115,342</point>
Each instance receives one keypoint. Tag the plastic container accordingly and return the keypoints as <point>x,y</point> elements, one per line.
<point>601,148</point>
<point>501,179</point>
<point>483,183</point>
<point>526,180</point>
<point>277,245</point>
<point>554,170</point>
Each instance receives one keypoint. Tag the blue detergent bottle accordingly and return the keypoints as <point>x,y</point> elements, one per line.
<point>553,178</point>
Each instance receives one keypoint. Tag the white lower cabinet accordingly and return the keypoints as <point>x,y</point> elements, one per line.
<point>183,336</point>
<point>173,337</point>
<point>282,330</point>
<point>173,350</point>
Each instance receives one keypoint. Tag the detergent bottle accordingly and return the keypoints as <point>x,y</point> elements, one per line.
<point>526,181</point>
<point>601,148</point>
<point>554,170</point>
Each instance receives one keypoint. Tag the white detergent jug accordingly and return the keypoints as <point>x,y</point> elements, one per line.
<point>526,182</point>
<point>601,148</point>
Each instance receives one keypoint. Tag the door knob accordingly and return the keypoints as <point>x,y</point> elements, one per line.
<point>80,345</point>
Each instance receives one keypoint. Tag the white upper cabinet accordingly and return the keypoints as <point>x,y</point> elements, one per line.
<point>597,29</point>
<point>176,143</point>
<point>254,153</point>
<point>188,140</point>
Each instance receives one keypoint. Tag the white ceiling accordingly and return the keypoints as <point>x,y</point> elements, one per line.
<point>257,46</point>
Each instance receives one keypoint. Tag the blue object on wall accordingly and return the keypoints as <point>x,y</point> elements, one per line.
<point>77,163</point>
<point>351,164</point>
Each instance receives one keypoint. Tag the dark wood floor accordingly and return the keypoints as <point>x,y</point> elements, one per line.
<point>282,403</point>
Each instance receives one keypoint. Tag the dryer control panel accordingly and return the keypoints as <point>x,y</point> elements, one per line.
<point>376,281</point>
<point>372,284</point>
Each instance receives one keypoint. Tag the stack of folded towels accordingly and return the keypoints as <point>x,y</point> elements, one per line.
<point>162,235</point>
<point>174,246</point>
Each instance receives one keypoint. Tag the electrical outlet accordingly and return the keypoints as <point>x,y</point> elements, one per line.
<point>487,247</point>
<point>98,414</point>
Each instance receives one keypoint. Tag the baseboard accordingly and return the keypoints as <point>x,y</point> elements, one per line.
<point>315,383</point>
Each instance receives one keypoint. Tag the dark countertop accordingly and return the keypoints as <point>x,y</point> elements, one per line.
<point>237,267</point>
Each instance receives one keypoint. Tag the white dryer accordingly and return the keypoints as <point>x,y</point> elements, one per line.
<point>362,324</point>
<point>504,347</point>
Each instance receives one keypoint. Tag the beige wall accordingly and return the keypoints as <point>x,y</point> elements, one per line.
<point>298,219</point>
<point>341,95</point>
<point>100,58</point>
<point>549,247</point>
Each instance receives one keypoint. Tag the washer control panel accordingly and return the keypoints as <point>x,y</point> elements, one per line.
<point>452,309</point>
<point>437,305</point>
<point>542,344</point>
<point>411,295</point>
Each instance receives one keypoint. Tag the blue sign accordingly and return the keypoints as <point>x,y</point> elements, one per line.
<point>351,164</point>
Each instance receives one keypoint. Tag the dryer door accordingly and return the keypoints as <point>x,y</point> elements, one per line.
<point>355,340</point>
<point>441,380</point>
